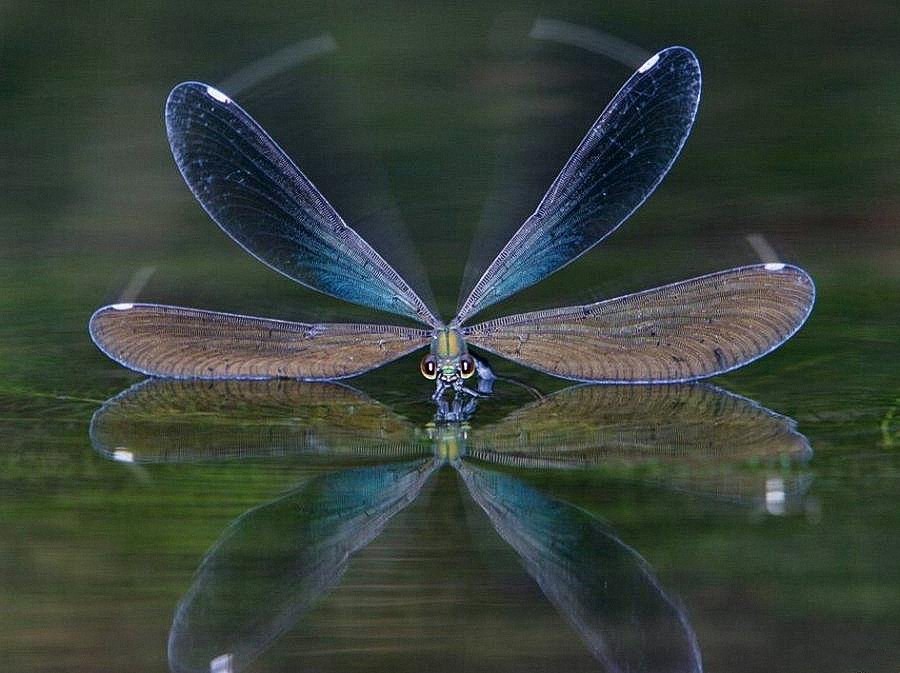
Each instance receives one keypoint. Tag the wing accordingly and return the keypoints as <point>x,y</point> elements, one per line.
<point>259,197</point>
<point>690,438</point>
<point>621,160</point>
<point>188,343</point>
<point>632,426</point>
<point>600,585</point>
<point>275,562</point>
<point>179,421</point>
<point>679,332</point>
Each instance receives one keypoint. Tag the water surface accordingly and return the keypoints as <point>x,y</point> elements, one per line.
<point>752,526</point>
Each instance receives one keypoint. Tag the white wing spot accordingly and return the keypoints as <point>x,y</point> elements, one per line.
<point>218,95</point>
<point>775,496</point>
<point>649,63</point>
<point>774,266</point>
<point>123,456</point>
<point>123,307</point>
<point>222,664</point>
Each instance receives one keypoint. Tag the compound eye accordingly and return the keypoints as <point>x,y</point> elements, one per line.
<point>428,367</point>
<point>466,366</point>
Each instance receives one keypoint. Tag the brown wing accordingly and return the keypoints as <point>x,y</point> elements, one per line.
<point>693,438</point>
<point>679,332</point>
<point>189,343</point>
<point>685,424</point>
<point>166,420</point>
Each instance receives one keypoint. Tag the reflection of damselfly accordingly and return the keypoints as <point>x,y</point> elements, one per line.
<point>274,562</point>
<point>687,330</point>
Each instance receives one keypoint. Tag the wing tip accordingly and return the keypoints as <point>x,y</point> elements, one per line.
<point>182,90</point>
<point>94,329</point>
<point>98,336</point>
<point>186,92</point>
<point>677,51</point>
<point>675,56</point>
<point>687,62</point>
<point>802,278</point>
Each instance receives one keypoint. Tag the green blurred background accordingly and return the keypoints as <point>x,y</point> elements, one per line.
<point>435,128</point>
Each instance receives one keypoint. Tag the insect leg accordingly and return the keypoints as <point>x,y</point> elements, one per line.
<point>461,388</point>
<point>486,376</point>
<point>439,388</point>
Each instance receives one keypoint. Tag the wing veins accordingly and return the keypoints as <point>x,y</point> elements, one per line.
<point>572,212</point>
<point>679,332</point>
<point>191,343</point>
<point>227,158</point>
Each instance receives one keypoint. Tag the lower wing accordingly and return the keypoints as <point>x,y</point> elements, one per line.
<point>679,332</point>
<point>189,343</point>
<point>188,420</point>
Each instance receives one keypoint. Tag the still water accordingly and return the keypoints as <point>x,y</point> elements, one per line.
<point>745,524</point>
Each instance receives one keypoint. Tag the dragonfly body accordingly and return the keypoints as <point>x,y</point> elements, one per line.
<point>449,362</point>
<point>679,332</point>
<point>449,347</point>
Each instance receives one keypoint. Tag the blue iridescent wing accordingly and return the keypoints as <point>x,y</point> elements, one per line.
<point>275,562</point>
<point>621,160</point>
<point>188,343</point>
<point>600,585</point>
<point>259,197</point>
<point>680,332</point>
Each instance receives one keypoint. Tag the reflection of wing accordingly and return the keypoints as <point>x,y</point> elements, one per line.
<point>274,562</point>
<point>680,332</point>
<point>252,189</point>
<point>597,424</point>
<point>695,438</point>
<point>162,420</point>
<point>191,343</point>
<point>616,167</point>
<point>602,587</point>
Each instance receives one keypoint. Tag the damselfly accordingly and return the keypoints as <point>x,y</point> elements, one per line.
<point>684,331</point>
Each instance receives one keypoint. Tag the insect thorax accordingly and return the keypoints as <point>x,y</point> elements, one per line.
<point>447,343</point>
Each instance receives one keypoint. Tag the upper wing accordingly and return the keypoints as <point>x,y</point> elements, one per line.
<point>259,197</point>
<point>189,343</point>
<point>679,332</point>
<point>621,160</point>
